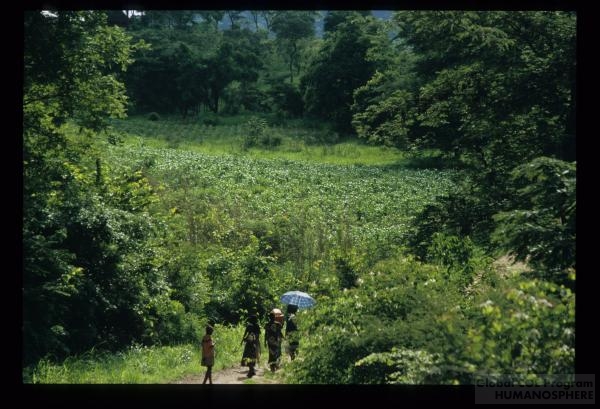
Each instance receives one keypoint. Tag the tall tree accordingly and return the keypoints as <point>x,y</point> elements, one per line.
<point>341,66</point>
<point>268,16</point>
<point>291,27</point>
<point>237,59</point>
<point>236,17</point>
<point>500,85</point>
<point>213,17</point>
<point>255,14</point>
<point>86,269</point>
<point>336,17</point>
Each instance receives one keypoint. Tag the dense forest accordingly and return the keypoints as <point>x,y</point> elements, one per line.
<point>415,174</point>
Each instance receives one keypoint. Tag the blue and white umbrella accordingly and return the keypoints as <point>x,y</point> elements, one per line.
<point>298,298</point>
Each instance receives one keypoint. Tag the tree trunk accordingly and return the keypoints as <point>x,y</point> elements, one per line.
<point>214,106</point>
<point>255,16</point>
<point>292,59</point>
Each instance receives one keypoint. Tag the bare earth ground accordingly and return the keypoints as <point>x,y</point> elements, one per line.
<point>234,375</point>
<point>507,265</point>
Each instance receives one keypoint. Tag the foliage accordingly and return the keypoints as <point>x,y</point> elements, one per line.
<point>394,305</point>
<point>72,63</point>
<point>385,120</point>
<point>257,133</point>
<point>524,328</point>
<point>456,254</point>
<point>463,100</point>
<point>340,67</point>
<point>171,223</point>
<point>337,17</point>
<point>138,363</point>
<point>287,99</point>
<point>409,323</point>
<point>541,228</point>
<point>86,269</point>
<point>346,273</point>
<point>383,108</point>
<point>462,213</point>
<point>291,27</point>
<point>199,64</point>
<point>403,366</point>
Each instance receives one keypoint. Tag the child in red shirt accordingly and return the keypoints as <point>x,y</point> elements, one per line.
<point>208,353</point>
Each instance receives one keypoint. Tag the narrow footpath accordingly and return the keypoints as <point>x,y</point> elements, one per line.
<point>235,375</point>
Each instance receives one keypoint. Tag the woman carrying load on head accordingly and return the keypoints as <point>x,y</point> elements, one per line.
<point>273,337</point>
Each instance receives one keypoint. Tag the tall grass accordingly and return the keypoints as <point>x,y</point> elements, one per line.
<point>139,364</point>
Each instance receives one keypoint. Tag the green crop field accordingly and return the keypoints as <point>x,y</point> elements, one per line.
<point>371,206</point>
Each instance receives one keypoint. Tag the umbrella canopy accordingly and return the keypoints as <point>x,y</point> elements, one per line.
<point>298,298</point>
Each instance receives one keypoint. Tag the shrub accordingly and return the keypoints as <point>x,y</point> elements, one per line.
<point>255,132</point>
<point>540,226</point>
<point>399,366</point>
<point>210,119</point>
<point>455,254</point>
<point>270,141</point>
<point>346,272</point>
<point>321,136</point>
<point>211,122</point>
<point>287,100</point>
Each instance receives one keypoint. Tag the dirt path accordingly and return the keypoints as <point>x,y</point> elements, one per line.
<point>235,375</point>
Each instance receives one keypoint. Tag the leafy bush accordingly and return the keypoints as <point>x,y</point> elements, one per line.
<point>523,327</point>
<point>461,213</point>
<point>270,141</point>
<point>209,119</point>
<point>347,275</point>
<point>541,227</point>
<point>399,366</point>
<point>455,254</point>
<point>395,305</point>
<point>255,132</point>
<point>287,99</point>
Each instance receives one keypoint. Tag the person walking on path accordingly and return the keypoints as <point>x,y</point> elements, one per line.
<point>251,354</point>
<point>291,330</point>
<point>273,337</point>
<point>208,353</point>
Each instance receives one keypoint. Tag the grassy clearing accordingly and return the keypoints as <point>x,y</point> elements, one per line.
<point>139,364</point>
<point>298,143</point>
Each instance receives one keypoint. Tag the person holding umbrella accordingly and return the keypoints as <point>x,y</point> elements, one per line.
<point>294,301</point>
<point>291,330</point>
<point>251,354</point>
